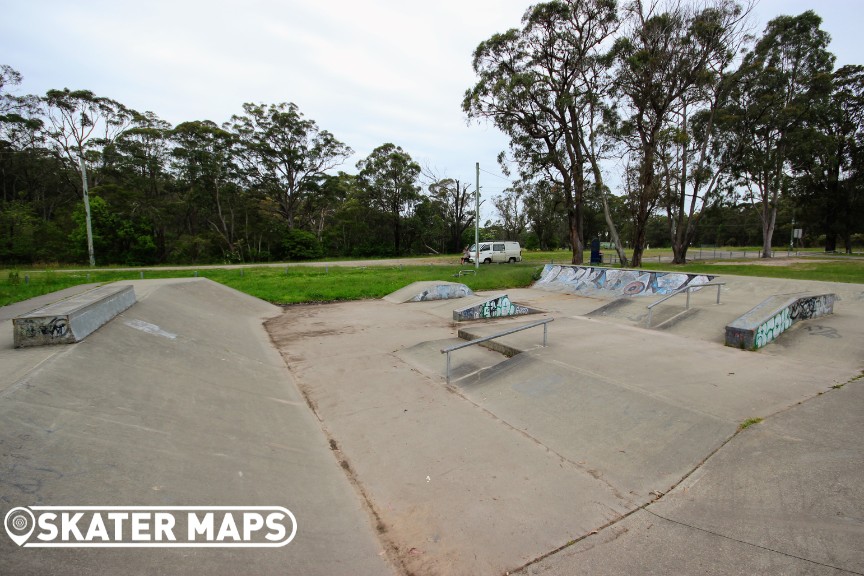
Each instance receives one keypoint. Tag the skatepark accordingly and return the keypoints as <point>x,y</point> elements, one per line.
<point>621,446</point>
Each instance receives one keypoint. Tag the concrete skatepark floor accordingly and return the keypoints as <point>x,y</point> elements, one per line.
<point>615,449</point>
<point>534,462</point>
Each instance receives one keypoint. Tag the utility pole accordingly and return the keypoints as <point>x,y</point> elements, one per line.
<point>792,234</point>
<point>477,220</point>
<point>87,212</point>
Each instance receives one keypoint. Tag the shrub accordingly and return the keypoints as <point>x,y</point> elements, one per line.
<point>301,245</point>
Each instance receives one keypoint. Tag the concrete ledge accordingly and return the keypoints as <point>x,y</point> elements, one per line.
<point>73,319</point>
<point>498,306</point>
<point>775,315</point>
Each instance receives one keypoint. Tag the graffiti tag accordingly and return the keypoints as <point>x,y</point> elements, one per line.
<point>55,328</point>
<point>771,329</point>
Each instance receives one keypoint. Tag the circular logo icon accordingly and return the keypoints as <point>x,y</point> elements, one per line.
<point>19,523</point>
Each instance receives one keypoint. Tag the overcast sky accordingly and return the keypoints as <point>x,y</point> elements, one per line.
<point>369,71</point>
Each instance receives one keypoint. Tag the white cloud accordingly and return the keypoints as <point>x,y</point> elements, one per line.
<point>370,72</point>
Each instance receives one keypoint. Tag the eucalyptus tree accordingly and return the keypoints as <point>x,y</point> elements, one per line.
<point>140,159</point>
<point>22,134</point>
<point>79,124</point>
<point>456,201</point>
<point>328,194</point>
<point>510,206</point>
<point>695,174</point>
<point>543,202</point>
<point>284,154</point>
<point>204,162</point>
<point>827,159</point>
<point>541,85</point>
<point>671,55</point>
<point>772,112</point>
<point>388,179</point>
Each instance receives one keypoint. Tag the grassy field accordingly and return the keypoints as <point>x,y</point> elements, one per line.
<point>297,284</point>
<point>851,270</point>
<point>289,285</point>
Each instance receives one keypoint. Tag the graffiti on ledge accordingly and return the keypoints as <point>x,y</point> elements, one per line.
<point>495,308</point>
<point>587,279</point>
<point>54,328</point>
<point>443,292</point>
<point>801,309</point>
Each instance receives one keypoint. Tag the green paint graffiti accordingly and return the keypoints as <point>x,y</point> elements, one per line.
<point>771,329</point>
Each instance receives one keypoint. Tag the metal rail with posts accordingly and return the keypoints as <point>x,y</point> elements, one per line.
<point>492,337</point>
<point>465,272</point>
<point>686,289</point>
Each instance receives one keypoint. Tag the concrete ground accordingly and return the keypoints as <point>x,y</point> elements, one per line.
<point>179,401</point>
<point>615,449</point>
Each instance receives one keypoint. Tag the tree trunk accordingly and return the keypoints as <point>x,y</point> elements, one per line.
<point>646,183</point>
<point>396,233</point>
<point>613,231</point>
<point>639,243</point>
<point>574,219</point>
<point>769,219</point>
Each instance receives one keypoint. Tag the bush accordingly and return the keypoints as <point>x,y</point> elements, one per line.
<point>301,245</point>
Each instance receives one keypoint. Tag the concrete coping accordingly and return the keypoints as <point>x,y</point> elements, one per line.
<point>773,316</point>
<point>73,319</point>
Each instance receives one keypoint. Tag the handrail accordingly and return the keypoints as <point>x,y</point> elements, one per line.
<point>687,289</point>
<point>492,337</point>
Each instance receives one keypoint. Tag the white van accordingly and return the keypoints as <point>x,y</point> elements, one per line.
<point>497,251</point>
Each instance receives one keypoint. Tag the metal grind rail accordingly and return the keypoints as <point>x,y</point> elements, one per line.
<point>492,337</point>
<point>679,291</point>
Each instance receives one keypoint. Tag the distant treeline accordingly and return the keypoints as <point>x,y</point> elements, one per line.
<point>715,137</point>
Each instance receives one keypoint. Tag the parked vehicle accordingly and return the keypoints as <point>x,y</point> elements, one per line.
<point>496,251</point>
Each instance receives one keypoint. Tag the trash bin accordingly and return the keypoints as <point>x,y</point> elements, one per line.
<point>596,255</point>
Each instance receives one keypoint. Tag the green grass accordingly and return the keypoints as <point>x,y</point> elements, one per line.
<point>749,422</point>
<point>851,270</point>
<point>316,284</point>
<point>323,284</point>
<point>281,285</point>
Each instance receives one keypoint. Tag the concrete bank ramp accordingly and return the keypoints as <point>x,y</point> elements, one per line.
<point>181,401</point>
<point>429,290</point>
<point>614,282</point>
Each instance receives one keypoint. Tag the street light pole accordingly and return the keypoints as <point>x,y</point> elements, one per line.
<point>477,220</point>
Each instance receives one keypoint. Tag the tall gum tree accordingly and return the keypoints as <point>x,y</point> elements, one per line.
<point>665,56</point>
<point>79,124</point>
<point>825,158</point>
<point>534,83</point>
<point>388,178</point>
<point>695,174</point>
<point>457,206</point>
<point>285,154</point>
<point>784,82</point>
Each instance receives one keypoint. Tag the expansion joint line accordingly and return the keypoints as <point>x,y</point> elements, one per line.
<point>683,478</point>
<point>751,544</point>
